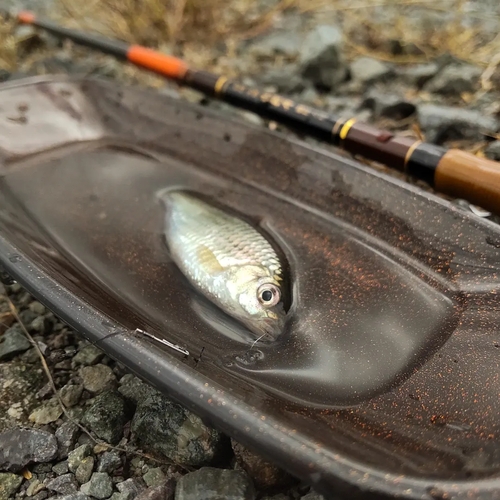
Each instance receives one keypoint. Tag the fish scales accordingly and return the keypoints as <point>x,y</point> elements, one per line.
<point>227,260</point>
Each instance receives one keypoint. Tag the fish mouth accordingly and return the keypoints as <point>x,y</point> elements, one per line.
<point>267,329</point>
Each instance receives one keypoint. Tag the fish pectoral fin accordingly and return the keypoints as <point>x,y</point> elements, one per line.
<point>208,260</point>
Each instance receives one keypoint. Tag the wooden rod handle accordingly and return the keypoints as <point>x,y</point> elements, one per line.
<point>470,177</point>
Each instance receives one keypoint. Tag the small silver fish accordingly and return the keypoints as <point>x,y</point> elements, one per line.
<point>228,261</point>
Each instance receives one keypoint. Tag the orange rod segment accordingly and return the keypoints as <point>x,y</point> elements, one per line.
<point>168,66</point>
<point>26,17</point>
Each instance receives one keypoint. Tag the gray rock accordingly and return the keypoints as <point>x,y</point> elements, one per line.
<point>100,486</point>
<point>61,468</point>
<point>109,462</point>
<point>443,123</point>
<point>42,495</point>
<point>312,495</point>
<point>97,378</point>
<point>154,477</point>
<point>285,79</point>
<point>48,412</point>
<point>107,415</point>
<point>133,389</point>
<point>75,496</point>
<point>88,356</point>
<point>40,325</point>
<point>70,394</point>
<point>76,456</point>
<point>162,492</point>
<point>20,447</point>
<point>366,70</point>
<point>279,42</point>
<point>321,57</point>
<point>12,342</point>
<point>455,79</point>
<point>66,437</point>
<point>265,475</point>
<point>37,308</point>
<point>492,151</point>
<point>9,484</point>
<point>130,488</point>
<point>388,105</point>
<point>84,471</point>
<point>166,427</point>
<point>214,484</point>
<point>65,484</point>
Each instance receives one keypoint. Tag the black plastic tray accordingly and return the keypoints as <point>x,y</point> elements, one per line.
<point>387,379</point>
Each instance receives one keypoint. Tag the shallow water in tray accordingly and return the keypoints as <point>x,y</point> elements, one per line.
<point>360,320</point>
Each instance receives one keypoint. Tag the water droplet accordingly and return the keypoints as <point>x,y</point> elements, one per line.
<point>250,357</point>
<point>15,258</point>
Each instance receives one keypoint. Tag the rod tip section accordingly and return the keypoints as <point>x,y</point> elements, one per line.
<point>159,63</point>
<point>26,17</point>
<point>470,177</point>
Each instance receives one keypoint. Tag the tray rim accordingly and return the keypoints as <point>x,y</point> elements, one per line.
<point>263,437</point>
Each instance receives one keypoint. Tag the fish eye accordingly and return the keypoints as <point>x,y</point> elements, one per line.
<point>269,295</point>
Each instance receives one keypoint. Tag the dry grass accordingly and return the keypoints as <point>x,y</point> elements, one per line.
<point>191,28</point>
<point>368,30</point>
<point>8,46</point>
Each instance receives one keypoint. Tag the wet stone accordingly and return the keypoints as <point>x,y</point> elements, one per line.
<point>13,342</point>
<point>107,415</point>
<point>109,462</point>
<point>444,123</point>
<point>130,488</point>
<point>70,394</point>
<point>61,468</point>
<point>20,447</point>
<point>66,436</point>
<point>213,484</point>
<point>88,356</point>
<point>64,484</point>
<point>492,151</point>
<point>366,70</point>
<point>264,474</point>
<point>9,484</point>
<point>100,486</point>
<point>455,79</point>
<point>166,427</point>
<point>154,477</point>
<point>321,58</point>
<point>76,456</point>
<point>97,378</point>
<point>84,471</point>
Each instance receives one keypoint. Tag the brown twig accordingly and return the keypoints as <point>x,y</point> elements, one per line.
<point>52,384</point>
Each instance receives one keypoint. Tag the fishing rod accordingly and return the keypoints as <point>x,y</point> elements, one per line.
<point>451,171</point>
